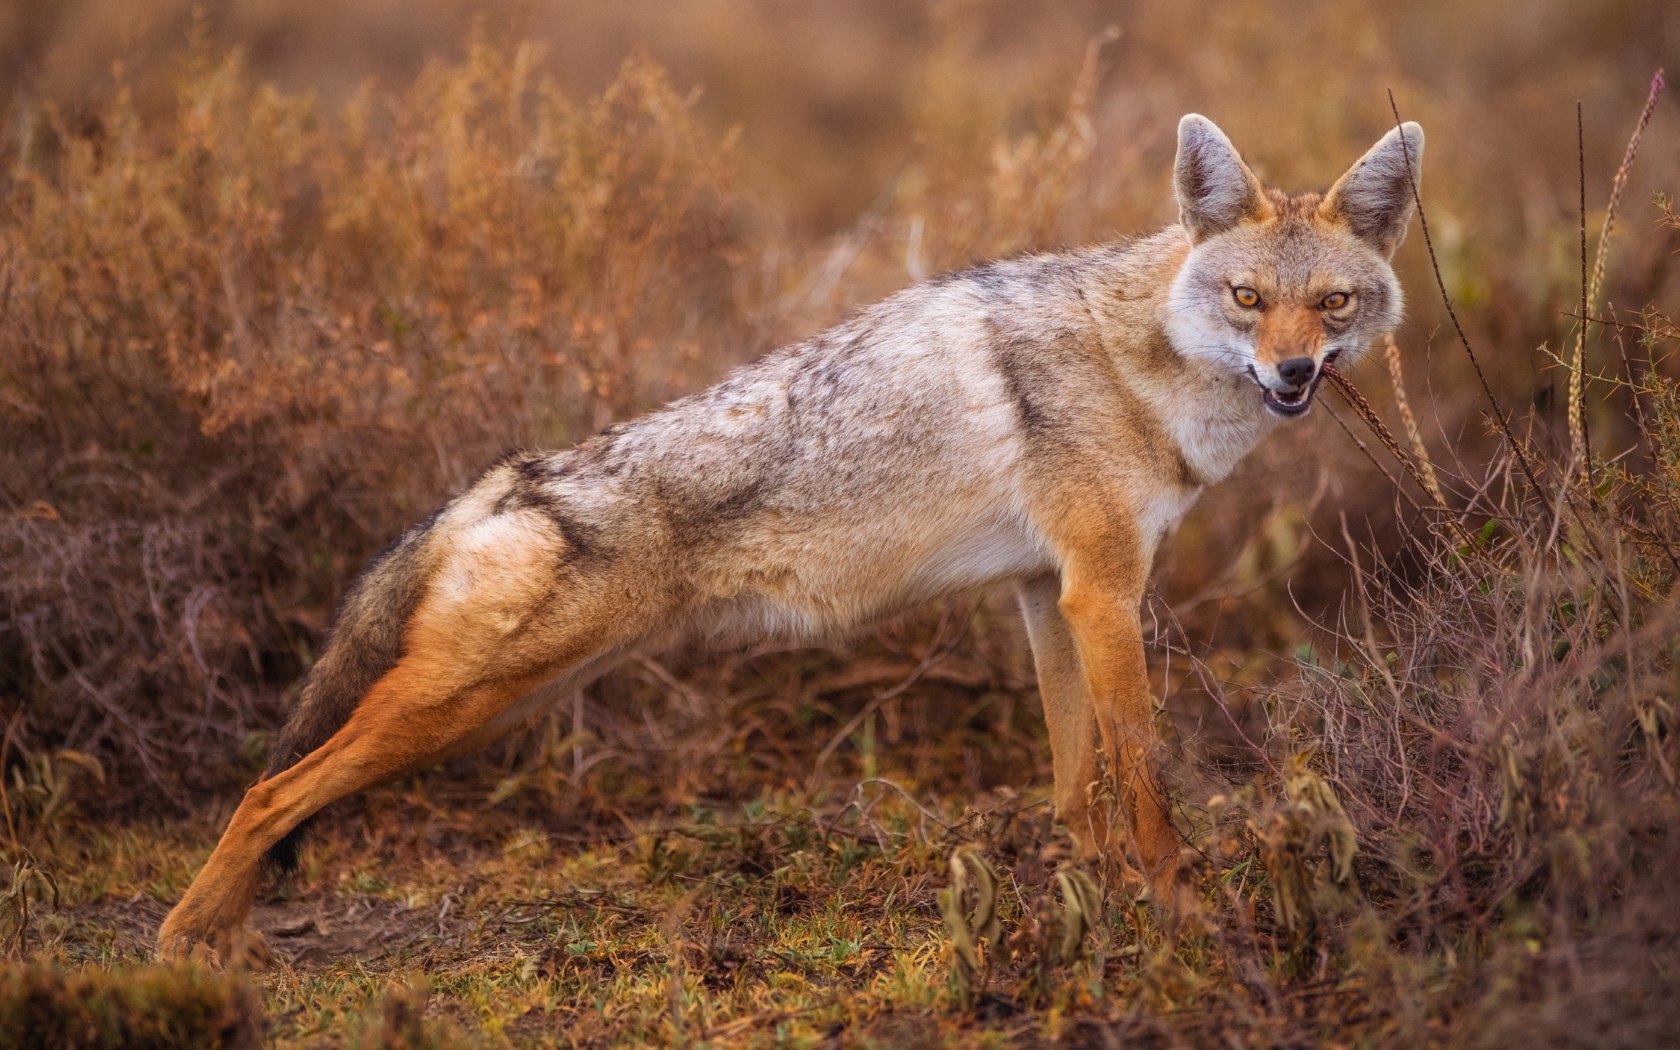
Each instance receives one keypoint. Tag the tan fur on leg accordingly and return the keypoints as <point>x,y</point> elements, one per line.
<point>1102,587</point>
<point>1081,802</point>
<point>405,723</point>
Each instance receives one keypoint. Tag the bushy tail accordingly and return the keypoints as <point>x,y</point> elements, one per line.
<point>365,643</point>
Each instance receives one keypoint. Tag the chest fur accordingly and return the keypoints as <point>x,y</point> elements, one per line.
<point>1215,421</point>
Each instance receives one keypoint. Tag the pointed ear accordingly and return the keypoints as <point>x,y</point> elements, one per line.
<point>1215,189</point>
<point>1374,199</point>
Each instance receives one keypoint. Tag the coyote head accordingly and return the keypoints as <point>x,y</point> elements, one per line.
<point>1275,287</point>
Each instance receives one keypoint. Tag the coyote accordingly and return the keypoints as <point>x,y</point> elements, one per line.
<point>1042,420</point>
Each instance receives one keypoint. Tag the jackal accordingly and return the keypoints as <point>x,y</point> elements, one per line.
<point>1042,420</point>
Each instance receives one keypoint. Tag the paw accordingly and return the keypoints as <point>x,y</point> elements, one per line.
<point>1169,888</point>
<point>239,948</point>
<point>1129,879</point>
<point>1116,870</point>
<point>249,950</point>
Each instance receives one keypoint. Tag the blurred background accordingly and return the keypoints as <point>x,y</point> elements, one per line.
<point>280,276</point>
<point>832,100</point>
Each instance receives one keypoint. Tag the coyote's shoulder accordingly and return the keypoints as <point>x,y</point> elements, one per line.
<point>1043,420</point>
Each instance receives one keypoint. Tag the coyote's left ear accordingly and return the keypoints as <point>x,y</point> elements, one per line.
<point>1375,197</point>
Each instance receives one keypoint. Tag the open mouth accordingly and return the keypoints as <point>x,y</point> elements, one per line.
<point>1290,403</point>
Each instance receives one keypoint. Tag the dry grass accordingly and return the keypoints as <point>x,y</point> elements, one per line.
<point>1421,703</point>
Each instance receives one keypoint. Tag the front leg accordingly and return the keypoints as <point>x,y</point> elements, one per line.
<point>1104,568</point>
<point>1072,723</point>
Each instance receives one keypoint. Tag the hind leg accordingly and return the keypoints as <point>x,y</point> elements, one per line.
<point>495,623</point>
<point>405,723</point>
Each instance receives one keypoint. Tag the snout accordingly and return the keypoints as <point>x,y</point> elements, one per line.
<point>1297,372</point>
<point>1291,393</point>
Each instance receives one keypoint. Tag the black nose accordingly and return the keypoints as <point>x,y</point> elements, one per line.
<point>1297,371</point>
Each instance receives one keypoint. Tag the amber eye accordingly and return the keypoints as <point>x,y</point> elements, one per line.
<point>1334,301</point>
<point>1246,297</point>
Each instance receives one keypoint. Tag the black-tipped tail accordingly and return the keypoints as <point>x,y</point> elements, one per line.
<point>365,643</point>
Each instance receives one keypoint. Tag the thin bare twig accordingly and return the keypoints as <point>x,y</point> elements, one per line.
<point>1452,314</point>
<point>1578,449</point>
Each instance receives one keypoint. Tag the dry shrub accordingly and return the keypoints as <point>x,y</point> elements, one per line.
<point>240,351</point>
<point>1488,735</point>
<point>146,1008</point>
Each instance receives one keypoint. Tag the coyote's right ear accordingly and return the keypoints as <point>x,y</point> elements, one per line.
<point>1214,187</point>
